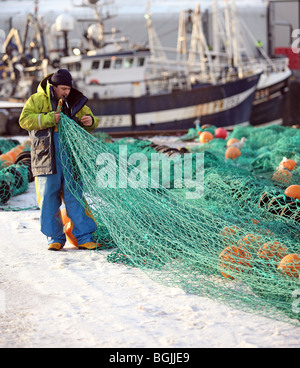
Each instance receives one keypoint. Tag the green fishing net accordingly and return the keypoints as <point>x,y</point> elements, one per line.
<point>7,144</point>
<point>13,181</point>
<point>211,226</point>
<point>15,170</point>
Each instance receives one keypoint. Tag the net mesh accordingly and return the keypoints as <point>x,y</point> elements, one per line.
<point>13,181</point>
<point>237,242</point>
<point>15,169</point>
<point>7,144</point>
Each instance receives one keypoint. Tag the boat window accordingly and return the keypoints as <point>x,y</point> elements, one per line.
<point>106,64</point>
<point>95,64</point>
<point>140,61</point>
<point>74,67</point>
<point>118,63</point>
<point>128,63</point>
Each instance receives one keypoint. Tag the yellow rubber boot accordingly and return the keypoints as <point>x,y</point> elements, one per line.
<point>55,246</point>
<point>89,246</point>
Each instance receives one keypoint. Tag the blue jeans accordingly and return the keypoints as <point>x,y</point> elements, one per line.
<point>50,191</point>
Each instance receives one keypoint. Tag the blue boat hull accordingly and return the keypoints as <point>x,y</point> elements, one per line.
<point>269,103</point>
<point>221,105</point>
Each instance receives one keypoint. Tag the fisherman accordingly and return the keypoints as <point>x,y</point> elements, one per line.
<point>40,116</point>
<point>259,47</point>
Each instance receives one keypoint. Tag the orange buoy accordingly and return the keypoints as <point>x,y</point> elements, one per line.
<point>289,164</point>
<point>290,265</point>
<point>9,157</point>
<point>6,160</point>
<point>251,242</point>
<point>231,141</point>
<point>234,260</point>
<point>272,250</point>
<point>232,153</point>
<point>205,137</point>
<point>283,176</point>
<point>293,191</point>
<point>229,234</point>
<point>233,230</point>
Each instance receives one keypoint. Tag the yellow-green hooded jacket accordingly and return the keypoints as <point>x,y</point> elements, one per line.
<point>38,118</point>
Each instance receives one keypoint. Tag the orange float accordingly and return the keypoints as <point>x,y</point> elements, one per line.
<point>272,250</point>
<point>232,153</point>
<point>255,222</point>
<point>234,260</point>
<point>290,265</point>
<point>233,230</point>
<point>293,191</point>
<point>251,242</point>
<point>289,164</point>
<point>5,160</point>
<point>231,141</point>
<point>282,176</point>
<point>205,137</point>
<point>229,233</point>
<point>9,157</point>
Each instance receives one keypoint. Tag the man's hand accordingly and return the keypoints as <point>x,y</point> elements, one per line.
<point>87,120</point>
<point>57,118</point>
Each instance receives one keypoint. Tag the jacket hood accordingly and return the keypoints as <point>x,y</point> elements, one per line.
<point>44,85</point>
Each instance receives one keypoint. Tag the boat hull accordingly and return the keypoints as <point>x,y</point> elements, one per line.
<point>269,102</point>
<point>221,105</point>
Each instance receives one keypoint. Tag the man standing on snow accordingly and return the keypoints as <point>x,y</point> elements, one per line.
<point>40,117</point>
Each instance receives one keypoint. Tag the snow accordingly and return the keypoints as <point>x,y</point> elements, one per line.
<point>76,298</point>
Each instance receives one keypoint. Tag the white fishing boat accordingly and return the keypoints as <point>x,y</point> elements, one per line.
<point>138,89</point>
<point>135,89</point>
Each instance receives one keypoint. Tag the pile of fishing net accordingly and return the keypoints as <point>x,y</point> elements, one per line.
<point>15,169</point>
<point>215,234</point>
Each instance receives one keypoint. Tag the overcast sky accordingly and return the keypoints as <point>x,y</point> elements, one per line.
<point>123,6</point>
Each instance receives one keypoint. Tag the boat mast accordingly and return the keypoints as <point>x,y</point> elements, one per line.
<point>182,49</point>
<point>241,51</point>
<point>199,47</point>
<point>228,43</point>
<point>158,55</point>
<point>181,39</point>
<point>215,32</point>
<point>237,59</point>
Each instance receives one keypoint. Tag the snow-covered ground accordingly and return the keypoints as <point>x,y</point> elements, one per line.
<point>76,298</point>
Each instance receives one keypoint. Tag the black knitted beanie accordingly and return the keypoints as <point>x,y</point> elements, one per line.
<point>62,77</point>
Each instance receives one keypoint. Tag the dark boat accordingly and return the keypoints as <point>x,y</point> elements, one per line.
<point>222,105</point>
<point>270,98</point>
